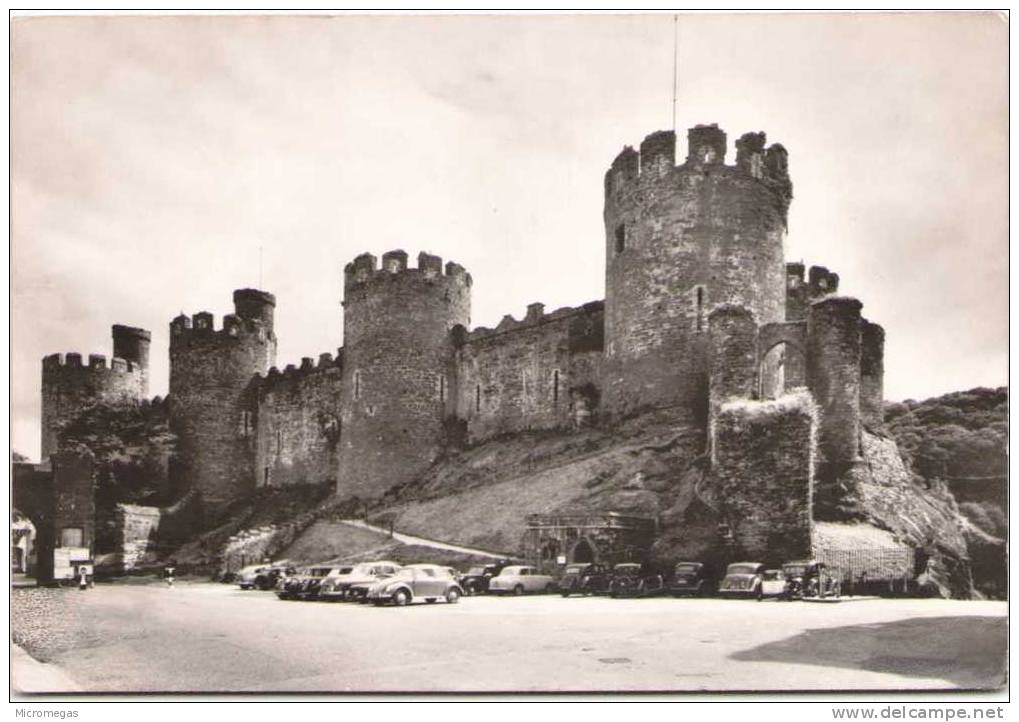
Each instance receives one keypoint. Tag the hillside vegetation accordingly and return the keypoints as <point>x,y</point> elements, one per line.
<point>960,441</point>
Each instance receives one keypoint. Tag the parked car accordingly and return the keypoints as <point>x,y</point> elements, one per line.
<point>413,583</point>
<point>520,579</point>
<point>692,579</point>
<point>262,576</point>
<point>303,585</point>
<point>742,579</point>
<point>358,591</point>
<point>635,580</point>
<point>476,580</point>
<point>774,583</point>
<point>335,587</point>
<point>585,579</point>
<point>811,579</point>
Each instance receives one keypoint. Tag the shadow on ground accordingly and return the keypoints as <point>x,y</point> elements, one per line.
<point>967,652</point>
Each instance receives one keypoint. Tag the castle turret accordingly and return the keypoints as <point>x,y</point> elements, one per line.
<point>132,344</point>
<point>69,387</point>
<point>396,346</point>
<point>833,377</point>
<point>679,241</point>
<point>210,374</point>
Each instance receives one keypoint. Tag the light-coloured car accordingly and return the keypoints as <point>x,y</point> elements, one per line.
<point>335,587</point>
<point>418,581</point>
<point>520,580</point>
<point>774,583</point>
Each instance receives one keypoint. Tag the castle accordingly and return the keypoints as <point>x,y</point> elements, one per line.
<point>701,310</point>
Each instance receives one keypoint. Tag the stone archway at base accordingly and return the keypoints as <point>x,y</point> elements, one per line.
<point>583,552</point>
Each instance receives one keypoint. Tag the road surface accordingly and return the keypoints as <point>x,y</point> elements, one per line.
<point>215,638</point>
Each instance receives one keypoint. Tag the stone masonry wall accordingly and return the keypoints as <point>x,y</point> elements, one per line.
<point>538,373</point>
<point>74,495</point>
<point>872,375</point>
<point>763,475</point>
<point>298,424</point>
<point>733,356</point>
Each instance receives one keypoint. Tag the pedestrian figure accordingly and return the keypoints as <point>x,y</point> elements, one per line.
<point>168,573</point>
<point>82,577</point>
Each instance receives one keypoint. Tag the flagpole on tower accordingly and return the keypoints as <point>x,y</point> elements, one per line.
<point>259,267</point>
<point>675,66</point>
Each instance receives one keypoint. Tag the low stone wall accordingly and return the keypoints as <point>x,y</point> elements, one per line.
<point>136,529</point>
<point>253,546</point>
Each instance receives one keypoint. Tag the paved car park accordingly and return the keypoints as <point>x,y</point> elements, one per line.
<point>216,638</point>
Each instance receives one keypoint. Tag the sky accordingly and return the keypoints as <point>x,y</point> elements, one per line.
<point>151,159</point>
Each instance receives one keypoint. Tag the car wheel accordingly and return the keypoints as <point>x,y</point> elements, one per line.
<point>518,590</point>
<point>452,596</point>
<point>401,598</point>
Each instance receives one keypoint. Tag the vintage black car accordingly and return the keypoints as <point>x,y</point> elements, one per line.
<point>692,579</point>
<point>635,580</point>
<point>303,585</point>
<point>477,579</point>
<point>585,579</point>
<point>811,579</point>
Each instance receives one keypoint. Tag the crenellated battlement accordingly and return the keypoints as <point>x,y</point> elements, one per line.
<point>706,151</point>
<point>292,373</point>
<point>364,270</point>
<point>535,316</point>
<point>71,363</point>
<point>201,329</point>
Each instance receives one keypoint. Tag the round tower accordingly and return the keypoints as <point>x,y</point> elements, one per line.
<point>397,350</point>
<point>69,387</point>
<point>132,344</point>
<point>211,371</point>
<point>680,240</point>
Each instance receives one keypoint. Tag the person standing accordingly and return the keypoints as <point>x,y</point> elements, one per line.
<point>168,574</point>
<point>82,577</point>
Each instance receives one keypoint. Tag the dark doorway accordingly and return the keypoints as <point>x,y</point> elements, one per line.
<point>583,552</point>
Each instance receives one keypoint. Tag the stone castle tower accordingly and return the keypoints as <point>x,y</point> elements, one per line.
<point>680,240</point>
<point>210,375</point>
<point>68,387</point>
<point>396,366</point>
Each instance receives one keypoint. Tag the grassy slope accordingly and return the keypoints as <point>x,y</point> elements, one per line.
<point>482,496</point>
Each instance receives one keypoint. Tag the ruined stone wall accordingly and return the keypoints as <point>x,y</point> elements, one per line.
<point>68,388</point>
<point>762,476</point>
<point>211,410</point>
<point>297,426</point>
<point>679,241</point>
<point>538,373</point>
<point>396,385</point>
<point>137,528</point>
<point>801,293</point>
